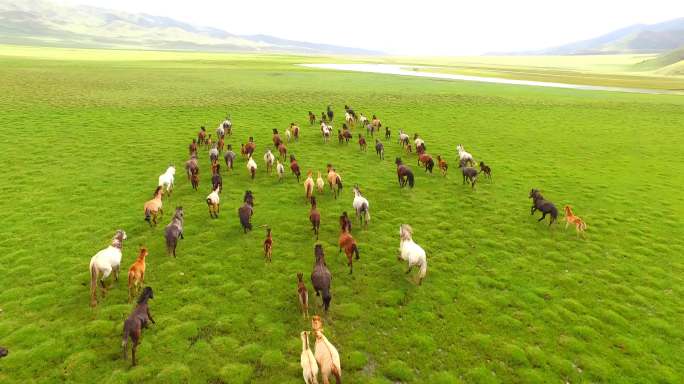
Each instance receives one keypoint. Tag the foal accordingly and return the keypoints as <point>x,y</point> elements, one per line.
<point>136,274</point>
<point>486,170</point>
<point>302,295</point>
<point>314,217</point>
<point>442,164</point>
<point>136,321</point>
<point>570,218</point>
<point>546,207</point>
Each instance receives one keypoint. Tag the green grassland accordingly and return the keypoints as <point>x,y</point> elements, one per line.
<point>85,135</point>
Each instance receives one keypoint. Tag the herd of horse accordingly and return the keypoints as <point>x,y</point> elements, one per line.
<point>108,261</point>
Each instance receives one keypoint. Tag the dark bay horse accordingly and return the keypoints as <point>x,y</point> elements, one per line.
<point>404,174</point>
<point>136,321</point>
<point>314,217</point>
<point>545,206</point>
<point>245,214</point>
<point>321,277</point>
<point>173,231</point>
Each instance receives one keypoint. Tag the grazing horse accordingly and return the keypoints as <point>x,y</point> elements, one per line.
<point>153,207</point>
<point>213,202</point>
<point>334,181</point>
<point>570,218</point>
<point>307,360</point>
<point>348,244</point>
<point>362,207</point>
<point>320,184</point>
<point>280,170</point>
<point>404,174</point>
<point>464,156</point>
<point>229,157</point>
<point>269,159</point>
<point>201,136</point>
<point>245,213</point>
<point>268,245</point>
<point>216,179</point>
<point>412,252</point>
<point>328,359</point>
<point>379,149</point>
<point>321,277</point>
<point>251,167</point>
<point>302,295</point>
<point>308,185</point>
<point>135,323</point>
<point>312,118</point>
<point>136,274</point>
<point>314,217</point>
<point>469,173</point>
<point>166,179</point>
<point>443,166</point>
<point>362,143</point>
<point>295,131</point>
<point>173,231</point>
<point>104,262</point>
<point>484,168</point>
<point>545,206</point>
<point>191,165</point>
<point>427,161</point>
<point>282,151</point>
<point>345,222</point>
<point>330,113</point>
<point>388,133</point>
<point>294,167</point>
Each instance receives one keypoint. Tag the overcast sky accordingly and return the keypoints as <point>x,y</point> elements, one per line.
<point>425,27</point>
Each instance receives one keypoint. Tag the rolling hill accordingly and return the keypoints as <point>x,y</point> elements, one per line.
<point>41,22</point>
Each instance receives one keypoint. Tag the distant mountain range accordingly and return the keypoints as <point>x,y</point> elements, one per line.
<point>41,22</point>
<point>638,38</point>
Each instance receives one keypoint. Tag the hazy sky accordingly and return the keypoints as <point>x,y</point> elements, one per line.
<point>426,27</point>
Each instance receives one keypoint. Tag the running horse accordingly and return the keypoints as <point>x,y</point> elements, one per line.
<point>404,174</point>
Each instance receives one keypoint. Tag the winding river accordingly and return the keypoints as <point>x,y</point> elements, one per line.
<point>393,69</point>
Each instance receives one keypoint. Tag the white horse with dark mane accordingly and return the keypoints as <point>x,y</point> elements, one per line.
<point>362,207</point>
<point>105,262</point>
<point>166,179</point>
<point>412,252</point>
<point>463,156</point>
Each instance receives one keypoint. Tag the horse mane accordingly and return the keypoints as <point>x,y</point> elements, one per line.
<point>157,191</point>
<point>406,232</point>
<point>318,251</point>
<point>145,295</point>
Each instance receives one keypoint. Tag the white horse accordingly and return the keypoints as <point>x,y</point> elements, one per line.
<point>348,118</point>
<point>308,361</point>
<point>325,131</point>
<point>463,156</point>
<point>251,167</point>
<point>166,179</point>
<point>412,252</point>
<point>269,159</point>
<point>220,131</point>
<point>403,137</point>
<point>104,262</point>
<point>363,119</point>
<point>280,170</point>
<point>328,358</point>
<point>362,207</point>
<point>288,134</point>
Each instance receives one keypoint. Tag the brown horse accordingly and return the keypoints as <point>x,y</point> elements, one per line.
<point>303,295</point>
<point>221,144</point>
<point>268,245</point>
<point>362,143</point>
<point>345,222</point>
<point>426,160</point>
<point>282,150</point>
<point>346,134</point>
<point>312,118</point>
<point>443,166</point>
<point>314,217</point>
<point>191,165</point>
<point>321,277</point>
<point>153,207</point>
<point>195,179</point>
<point>469,173</point>
<point>484,168</point>
<point>294,167</point>
<point>201,136</point>
<point>334,181</point>
<point>388,133</point>
<point>404,174</point>
<point>249,148</point>
<point>245,215</point>
<point>295,131</point>
<point>136,274</point>
<point>379,149</point>
<point>347,242</point>
<point>276,138</point>
<point>136,321</point>
<point>544,206</point>
<point>192,148</point>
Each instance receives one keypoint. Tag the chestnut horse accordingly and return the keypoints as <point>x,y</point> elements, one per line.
<point>268,245</point>
<point>443,166</point>
<point>426,160</point>
<point>136,274</point>
<point>347,242</point>
<point>303,295</point>
<point>362,143</point>
<point>294,167</point>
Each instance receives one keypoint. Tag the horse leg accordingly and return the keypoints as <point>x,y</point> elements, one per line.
<point>534,208</point>
<point>543,216</point>
<point>409,269</point>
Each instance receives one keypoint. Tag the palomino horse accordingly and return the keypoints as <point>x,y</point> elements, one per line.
<point>302,295</point>
<point>404,174</point>
<point>213,202</point>
<point>320,184</point>
<point>321,277</point>
<point>268,245</point>
<point>348,244</point>
<point>334,181</point>
<point>269,159</point>
<point>136,274</point>
<point>104,262</point>
<point>464,156</point>
<point>135,323</point>
<point>294,167</point>
<point>545,206</point>
<point>308,185</point>
<point>362,207</point>
<point>328,358</point>
<point>308,361</point>
<point>412,252</point>
<point>166,179</point>
<point>314,217</point>
<point>153,207</point>
<point>280,170</point>
<point>173,231</point>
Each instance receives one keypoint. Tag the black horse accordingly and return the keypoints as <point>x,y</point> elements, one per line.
<point>545,206</point>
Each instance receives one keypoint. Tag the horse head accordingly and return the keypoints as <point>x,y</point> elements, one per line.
<point>179,212</point>
<point>318,252</point>
<point>146,295</point>
<point>405,232</point>
<point>120,235</point>
<point>398,161</point>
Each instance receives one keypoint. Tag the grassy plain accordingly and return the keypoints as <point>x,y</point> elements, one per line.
<point>86,133</point>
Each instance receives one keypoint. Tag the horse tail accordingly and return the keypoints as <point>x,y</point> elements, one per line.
<point>368,216</point>
<point>170,242</point>
<point>583,225</point>
<point>148,215</point>
<point>338,376</point>
<point>124,341</point>
<point>208,201</point>
<point>339,181</point>
<point>309,189</point>
<point>554,213</point>
<point>355,249</point>
<point>410,179</point>
<point>93,283</point>
<point>423,269</point>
